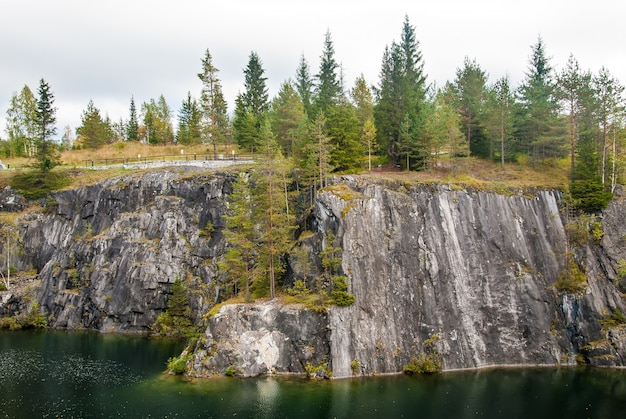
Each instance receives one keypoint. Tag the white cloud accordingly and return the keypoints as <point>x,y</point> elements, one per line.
<point>108,51</point>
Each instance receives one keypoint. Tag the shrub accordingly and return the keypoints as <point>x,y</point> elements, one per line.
<point>428,361</point>
<point>355,366</point>
<point>231,371</point>
<point>321,371</point>
<point>35,184</point>
<point>340,294</point>
<point>178,365</point>
<point>573,280</point>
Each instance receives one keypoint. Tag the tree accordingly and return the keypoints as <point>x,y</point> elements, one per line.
<point>575,92</point>
<point>328,86</point>
<point>274,222</point>
<point>287,116</point>
<point>157,119</point>
<point>401,92</point>
<point>189,122</point>
<point>176,320</point>
<point>251,107</point>
<point>499,120</point>
<point>471,95</point>
<point>364,104</point>
<point>132,127</point>
<point>21,123</point>
<point>304,85</point>
<point>240,234</point>
<point>94,132</point>
<point>537,113</point>
<point>344,130</point>
<point>610,106</point>
<point>46,154</point>
<point>213,106</point>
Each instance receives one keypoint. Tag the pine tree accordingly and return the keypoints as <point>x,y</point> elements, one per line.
<point>189,122</point>
<point>610,106</point>
<point>304,86</point>
<point>132,127</point>
<point>46,155</point>
<point>471,91</point>
<point>364,104</point>
<point>328,86</point>
<point>500,119</point>
<point>251,107</point>
<point>401,92</point>
<point>215,124</point>
<point>537,113</point>
<point>287,116</point>
<point>573,85</point>
<point>240,234</point>
<point>93,132</point>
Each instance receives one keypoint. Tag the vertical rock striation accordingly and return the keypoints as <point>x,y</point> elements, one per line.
<point>472,271</point>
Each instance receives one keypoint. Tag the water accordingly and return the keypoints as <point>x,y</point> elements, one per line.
<point>83,375</point>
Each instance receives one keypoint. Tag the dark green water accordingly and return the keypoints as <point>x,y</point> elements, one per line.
<point>56,374</point>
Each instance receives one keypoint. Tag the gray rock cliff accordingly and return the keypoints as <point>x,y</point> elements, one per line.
<point>473,271</point>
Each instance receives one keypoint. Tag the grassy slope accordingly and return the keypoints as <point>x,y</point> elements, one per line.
<point>468,172</point>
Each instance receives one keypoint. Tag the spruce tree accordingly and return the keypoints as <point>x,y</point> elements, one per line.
<point>328,86</point>
<point>538,108</point>
<point>46,154</point>
<point>401,92</point>
<point>189,122</point>
<point>132,127</point>
<point>304,86</point>
<point>251,106</point>
<point>94,132</point>
<point>215,124</point>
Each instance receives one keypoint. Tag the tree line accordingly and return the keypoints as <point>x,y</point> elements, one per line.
<point>316,125</point>
<point>403,120</point>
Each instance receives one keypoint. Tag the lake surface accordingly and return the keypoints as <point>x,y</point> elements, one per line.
<point>83,375</point>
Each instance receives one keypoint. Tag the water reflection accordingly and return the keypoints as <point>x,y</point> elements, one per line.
<point>88,375</point>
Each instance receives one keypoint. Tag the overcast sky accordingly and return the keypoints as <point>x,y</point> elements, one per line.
<point>110,50</point>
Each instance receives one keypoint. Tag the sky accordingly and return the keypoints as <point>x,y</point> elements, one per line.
<point>108,51</point>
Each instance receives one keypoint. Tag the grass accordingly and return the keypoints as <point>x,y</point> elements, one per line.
<point>486,175</point>
<point>468,172</point>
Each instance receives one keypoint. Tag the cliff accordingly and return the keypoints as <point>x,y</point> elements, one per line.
<point>472,271</point>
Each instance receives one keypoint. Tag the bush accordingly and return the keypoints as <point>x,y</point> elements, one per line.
<point>340,294</point>
<point>573,280</point>
<point>231,371</point>
<point>178,365</point>
<point>35,184</point>
<point>428,361</point>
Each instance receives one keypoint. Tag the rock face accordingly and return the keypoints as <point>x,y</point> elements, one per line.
<point>472,271</point>
<point>107,254</point>
<point>263,338</point>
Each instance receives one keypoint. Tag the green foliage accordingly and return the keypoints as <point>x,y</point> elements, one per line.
<point>46,154</point>
<point>94,131</point>
<point>426,362</point>
<point>231,371</point>
<point>320,371</point>
<point>189,122</point>
<point>35,184</point>
<point>355,366</point>
<point>175,321</point>
<point>339,292</point>
<point>178,365</point>
<point>573,280</point>
<point>34,319</point>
